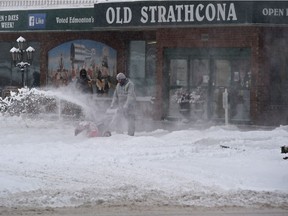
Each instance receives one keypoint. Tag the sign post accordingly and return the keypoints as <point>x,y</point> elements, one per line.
<point>226,106</point>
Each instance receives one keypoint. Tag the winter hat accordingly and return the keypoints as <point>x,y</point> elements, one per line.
<point>83,72</point>
<point>120,76</point>
<point>105,61</point>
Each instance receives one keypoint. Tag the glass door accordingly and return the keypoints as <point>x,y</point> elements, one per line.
<point>198,87</point>
<point>240,90</point>
<point>235,76</point>
<point>221,81</point>
<point>178,81</point>
<point>188,88</point>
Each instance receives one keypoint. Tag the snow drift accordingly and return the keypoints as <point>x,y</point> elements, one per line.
<point>43,164</point>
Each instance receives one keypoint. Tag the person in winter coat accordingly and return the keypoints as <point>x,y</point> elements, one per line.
<point>84,82</point>
<point>125,98</point>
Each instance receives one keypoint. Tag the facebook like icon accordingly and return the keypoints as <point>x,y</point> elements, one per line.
<point>37,21</point>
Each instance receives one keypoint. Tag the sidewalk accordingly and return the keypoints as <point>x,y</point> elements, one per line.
<point>142,211</point>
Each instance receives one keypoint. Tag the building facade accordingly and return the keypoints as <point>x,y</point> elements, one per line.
<point>167,48</point>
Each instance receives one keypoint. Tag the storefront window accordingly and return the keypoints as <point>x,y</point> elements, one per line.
<point>235,76</point>
<point>278,67</point>
<point>199,72</point>
<point>99,60</point>
<point>223,73</point>
<point>178,73</point>
<point>205,74</point>
<point>142,66</point>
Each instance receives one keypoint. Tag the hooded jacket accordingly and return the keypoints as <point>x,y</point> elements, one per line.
<point>124,96</point>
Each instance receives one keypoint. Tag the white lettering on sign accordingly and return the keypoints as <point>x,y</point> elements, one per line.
<point>7,25</point>
<point>8,21</point>
<point>39,21</point>
<point>199,13</point>
<point>210,12</point>
<point>118,15</point>
<point>81,20</point>
<point>74,20</point>
<point>62,20</point>
<point>274,12</point>
<point>13,17</point>
<point>187,13</point>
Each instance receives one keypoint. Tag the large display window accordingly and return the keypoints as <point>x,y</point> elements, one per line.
<point>99,60</point>
<point>142,66</point>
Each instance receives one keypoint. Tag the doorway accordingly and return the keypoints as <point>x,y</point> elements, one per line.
<point>200,76</point>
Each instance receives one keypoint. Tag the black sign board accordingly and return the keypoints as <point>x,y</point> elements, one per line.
<point>188,13</point>
<point>147,14</point>
<point>56,19</point>
<point>270,12</point>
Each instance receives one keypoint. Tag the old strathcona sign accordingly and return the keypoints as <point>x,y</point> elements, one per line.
<point>187,13</point>
<point>174,13</point>
<point>158,13</point>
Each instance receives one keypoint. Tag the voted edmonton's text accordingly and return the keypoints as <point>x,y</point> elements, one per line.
<point>74,20</point>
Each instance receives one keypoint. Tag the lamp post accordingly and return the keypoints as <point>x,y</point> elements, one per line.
<point>22,57</point>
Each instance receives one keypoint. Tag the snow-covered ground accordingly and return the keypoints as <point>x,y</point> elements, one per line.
<point>43,164</point>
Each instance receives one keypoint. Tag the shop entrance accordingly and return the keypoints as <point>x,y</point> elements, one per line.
<point>195,80</point>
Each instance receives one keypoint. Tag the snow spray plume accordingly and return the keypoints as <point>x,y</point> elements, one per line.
<point>32,102</point>
<point>25,101</point>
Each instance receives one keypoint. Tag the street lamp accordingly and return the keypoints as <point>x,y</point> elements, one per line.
<point>22,57</point>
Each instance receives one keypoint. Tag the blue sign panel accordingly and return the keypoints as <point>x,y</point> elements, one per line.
<point>37,21</point>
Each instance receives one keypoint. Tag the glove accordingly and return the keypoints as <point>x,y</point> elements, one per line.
<point>111,110</point>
